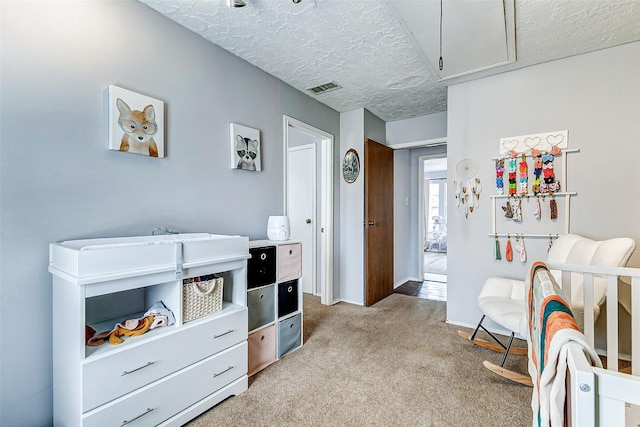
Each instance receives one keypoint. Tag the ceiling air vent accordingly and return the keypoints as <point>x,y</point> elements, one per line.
<point>324,88</point>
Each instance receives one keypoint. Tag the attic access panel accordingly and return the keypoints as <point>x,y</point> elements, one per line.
<point>476,35</point>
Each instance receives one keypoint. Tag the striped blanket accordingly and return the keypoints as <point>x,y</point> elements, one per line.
<point>551,327</point>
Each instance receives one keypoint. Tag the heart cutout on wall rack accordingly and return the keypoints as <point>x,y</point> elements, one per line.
<point>510,145</point>
<point>532,142</point>
<point>554,140</point>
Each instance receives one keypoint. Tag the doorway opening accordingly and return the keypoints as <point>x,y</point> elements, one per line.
<point>433,223</point>
<point>306,147</point>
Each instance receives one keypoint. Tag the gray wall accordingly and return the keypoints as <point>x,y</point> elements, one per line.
<point>401,217</point>
<point>352,210</point>
<point>355,127</point>
<point>421,128</point>
<point>595,96</point>
<point>59,181</point>
<point>406,187</point>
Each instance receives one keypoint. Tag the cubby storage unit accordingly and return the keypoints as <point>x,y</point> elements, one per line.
<point>169,374</point>
<point>274,300</point>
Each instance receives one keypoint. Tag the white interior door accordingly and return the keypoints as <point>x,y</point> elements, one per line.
<point>301,185</point>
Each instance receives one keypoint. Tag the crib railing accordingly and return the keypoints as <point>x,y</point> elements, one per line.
<point>597,397</point>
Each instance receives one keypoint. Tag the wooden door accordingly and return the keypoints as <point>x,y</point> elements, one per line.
<point>378,194</point>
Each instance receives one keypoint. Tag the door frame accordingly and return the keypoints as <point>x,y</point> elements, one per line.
<point>314,232</point>
<point>326,199</point>
<point>421,227</point>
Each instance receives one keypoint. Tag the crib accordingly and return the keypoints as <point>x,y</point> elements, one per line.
<point>595,396</point>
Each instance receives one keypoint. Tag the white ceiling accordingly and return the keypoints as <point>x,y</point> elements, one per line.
<point>382,51</point>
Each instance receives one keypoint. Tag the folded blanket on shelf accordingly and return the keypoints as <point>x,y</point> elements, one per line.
<point>552,328</point>
<point>158,315</point>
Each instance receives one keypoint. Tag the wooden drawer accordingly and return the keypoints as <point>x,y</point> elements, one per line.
<point>261,304</point>
<point>163,399</point>
<point>262,349</point>
<point>137,364</point>
<point>261,267</point>
<point>287,297</point>
<point>289,262</point>
<point>289,335</point>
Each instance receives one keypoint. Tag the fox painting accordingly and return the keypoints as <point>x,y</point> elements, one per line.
<point>139,128</point>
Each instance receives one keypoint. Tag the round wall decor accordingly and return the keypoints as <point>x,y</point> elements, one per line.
<point>350,166</point>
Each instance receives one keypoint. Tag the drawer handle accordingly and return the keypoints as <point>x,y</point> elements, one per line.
<point>125,422</point>
<point>223,334</point>
<point>263,256</point>
<point>290,289</point>
<point>290,252</point>
<point>220,373</point>
<point>137,369</point>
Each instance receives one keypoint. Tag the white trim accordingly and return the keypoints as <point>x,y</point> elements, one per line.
<point>326,237</point>
<point>417,144</point>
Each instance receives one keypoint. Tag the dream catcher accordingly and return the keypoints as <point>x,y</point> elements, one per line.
<point>467,186</point>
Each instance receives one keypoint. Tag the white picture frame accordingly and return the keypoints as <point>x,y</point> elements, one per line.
<point>136,123</point>
<point>245,148</point>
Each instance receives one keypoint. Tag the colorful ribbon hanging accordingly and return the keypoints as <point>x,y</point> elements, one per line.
<point>524,176</point>
<point>550,185</point>
<point>509,250</point>
<point>553,207</point>
<point>537,170</point>
<point>497,252</point>
<point>512,176</point>
<point>499,177</point>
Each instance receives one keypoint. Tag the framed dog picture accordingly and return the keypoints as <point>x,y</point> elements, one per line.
<point>136,123</point>
<point>245,148</point>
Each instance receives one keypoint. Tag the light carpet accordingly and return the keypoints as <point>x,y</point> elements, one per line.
<point>394,364</point>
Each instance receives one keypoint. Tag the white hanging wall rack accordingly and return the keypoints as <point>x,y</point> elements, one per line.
<point>567,194</point>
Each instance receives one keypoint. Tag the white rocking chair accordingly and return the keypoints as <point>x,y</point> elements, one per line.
<point>503,300</point>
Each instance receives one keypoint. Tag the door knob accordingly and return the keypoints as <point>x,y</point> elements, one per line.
<point>372,223</point>
<point>308,221</point>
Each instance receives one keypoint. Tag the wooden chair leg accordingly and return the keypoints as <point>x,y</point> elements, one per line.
<point>498,346</point>
<point>510,375</point>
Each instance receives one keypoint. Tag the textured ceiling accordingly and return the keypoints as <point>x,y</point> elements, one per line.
<point>366,47</point>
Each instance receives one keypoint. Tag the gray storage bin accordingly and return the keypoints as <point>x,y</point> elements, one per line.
<point>289,335</point>
<point>261,303</point>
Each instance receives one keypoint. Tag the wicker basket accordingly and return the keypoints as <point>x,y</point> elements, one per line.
<point>201,296</point>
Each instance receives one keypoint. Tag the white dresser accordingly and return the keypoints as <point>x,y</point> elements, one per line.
<point>167,375</point>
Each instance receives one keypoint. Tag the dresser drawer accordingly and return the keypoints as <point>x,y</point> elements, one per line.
<point>289,335</point>
<point>261,304</point>
<point>287,297</point>
<point>136,365</point>
<point>163,399</point>
<point>289,261</point>
<point>262,348</point>
<point>261,267</point>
